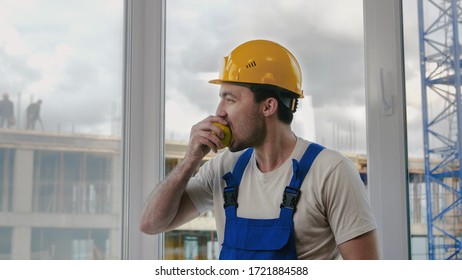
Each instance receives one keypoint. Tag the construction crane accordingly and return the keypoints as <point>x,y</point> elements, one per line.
<point>440,67</point>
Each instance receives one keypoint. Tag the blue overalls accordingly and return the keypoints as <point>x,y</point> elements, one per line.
<point>263,239</point>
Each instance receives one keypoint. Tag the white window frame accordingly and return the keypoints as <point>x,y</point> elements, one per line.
<point>385,110</point>
<point>143,139</point>
<point>386,124</point>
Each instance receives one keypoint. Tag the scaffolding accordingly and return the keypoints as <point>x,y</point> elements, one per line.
<point>440,66</point>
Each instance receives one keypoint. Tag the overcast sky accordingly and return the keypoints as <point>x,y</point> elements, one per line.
<point>66,53</point>
<point>69,54</point>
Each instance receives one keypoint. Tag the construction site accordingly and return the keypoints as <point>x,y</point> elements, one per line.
<point>61,198</point>
<point>64,194</point>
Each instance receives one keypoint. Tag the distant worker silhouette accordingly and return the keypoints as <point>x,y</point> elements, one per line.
<point>6,112</point>
<point>33,114</point>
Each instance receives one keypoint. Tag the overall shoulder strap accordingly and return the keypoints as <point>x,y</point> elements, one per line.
<point>233,180</point>
<point>300,169</point>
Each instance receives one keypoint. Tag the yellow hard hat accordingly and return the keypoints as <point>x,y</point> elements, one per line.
<point>262,62</point>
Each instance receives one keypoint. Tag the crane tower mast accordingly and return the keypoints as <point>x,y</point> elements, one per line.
<point>440,67</point>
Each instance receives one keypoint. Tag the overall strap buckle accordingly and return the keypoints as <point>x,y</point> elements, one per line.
<point>290,198</point>
<point>233,179</point>
<point>230,196</point>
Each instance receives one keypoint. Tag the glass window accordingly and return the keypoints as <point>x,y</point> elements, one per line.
<point>433,121</point>
<point>61,73</point>
<point>327,39</point>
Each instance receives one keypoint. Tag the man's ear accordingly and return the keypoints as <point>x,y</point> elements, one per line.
<point>270,106</point>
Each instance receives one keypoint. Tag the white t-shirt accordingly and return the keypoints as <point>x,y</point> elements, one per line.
<point>333,207</point>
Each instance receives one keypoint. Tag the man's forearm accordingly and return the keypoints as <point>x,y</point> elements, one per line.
<point>163,203</point>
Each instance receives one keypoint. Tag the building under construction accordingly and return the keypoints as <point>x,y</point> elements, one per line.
<point>61,198</point>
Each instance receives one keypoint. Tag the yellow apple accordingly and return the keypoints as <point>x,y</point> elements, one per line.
<point>227,138</point>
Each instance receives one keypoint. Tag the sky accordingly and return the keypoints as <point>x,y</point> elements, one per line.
<point>69,54</point>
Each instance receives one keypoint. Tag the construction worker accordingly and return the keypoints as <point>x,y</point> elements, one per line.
<point>33,115</point>
<point>274,195</point>
<point>6,112</point>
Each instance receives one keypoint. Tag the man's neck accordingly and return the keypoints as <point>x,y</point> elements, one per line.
<point>277,148</point>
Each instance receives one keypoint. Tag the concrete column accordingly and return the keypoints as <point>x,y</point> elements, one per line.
<point>20,243</point>
<point>22,202</point>
<point>116,208</point>
<point>23,179</point>
<point>114,244</point>
<point>116,185</point>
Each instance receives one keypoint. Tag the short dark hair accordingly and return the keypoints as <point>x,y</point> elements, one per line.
<point>263,92</point>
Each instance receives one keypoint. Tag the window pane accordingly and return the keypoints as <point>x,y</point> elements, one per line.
<point>433,118</point>
<point>60,129</point>
<point>327,39</point>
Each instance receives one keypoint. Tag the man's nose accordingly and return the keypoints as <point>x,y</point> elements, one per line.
<point>220,111</point>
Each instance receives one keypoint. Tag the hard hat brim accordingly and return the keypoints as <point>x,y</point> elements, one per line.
<point>221,81</point>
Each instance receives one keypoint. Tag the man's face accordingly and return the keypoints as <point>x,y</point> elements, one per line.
<point>238,107</point>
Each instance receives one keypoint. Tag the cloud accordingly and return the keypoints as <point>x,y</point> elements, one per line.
<point>15,72</point>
